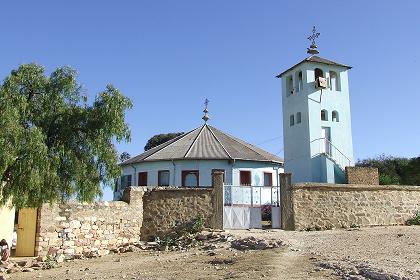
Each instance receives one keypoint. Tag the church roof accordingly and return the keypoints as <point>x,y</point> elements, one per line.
<point>317,59</point>
<point>205,142</point>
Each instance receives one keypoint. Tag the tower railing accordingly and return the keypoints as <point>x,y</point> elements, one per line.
<point>325,147</point>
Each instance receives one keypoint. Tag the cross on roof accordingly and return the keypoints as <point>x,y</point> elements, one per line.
<point>313,48</point>
<point>206,116</point>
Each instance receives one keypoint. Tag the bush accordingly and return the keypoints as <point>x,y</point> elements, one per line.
<point>415,221</point>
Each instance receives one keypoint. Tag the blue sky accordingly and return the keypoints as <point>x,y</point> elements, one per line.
<point>167,56</point>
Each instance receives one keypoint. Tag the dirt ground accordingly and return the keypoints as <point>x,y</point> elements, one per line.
<point>368,253</point>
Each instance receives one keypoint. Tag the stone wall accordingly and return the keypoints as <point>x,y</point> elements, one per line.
<point>166,209</point>
<point>362,175</point>
<point>76,229</point>
<point>326,206</point>
<point>86,229</point>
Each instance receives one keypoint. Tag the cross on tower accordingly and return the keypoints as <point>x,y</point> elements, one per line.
<point>205,111</point>
<point>313,47</point>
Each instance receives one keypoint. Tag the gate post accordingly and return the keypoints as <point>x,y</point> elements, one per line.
<point>217,199</point>
<point>286,202</point>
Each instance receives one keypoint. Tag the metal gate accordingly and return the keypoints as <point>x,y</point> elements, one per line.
<point>246,206</point>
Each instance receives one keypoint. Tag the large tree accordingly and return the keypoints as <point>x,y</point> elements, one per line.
<point>54,145</point>
<point>158,139</point>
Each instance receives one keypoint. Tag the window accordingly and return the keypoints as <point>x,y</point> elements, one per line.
<point>334,81</point>
<point>245,178</point>
<point>298,117</point>
<point>163,178</point>
<point>142,179</point>
<point>324,115</point>
<point>125,181</point>
<point>318,73</point>
<point>221,170</point>
<point>268,179</point>
<point>190,178</point>
<point>299,81</point>
<point>292,120</point>
<point>289,85</point>
<point>335,116</point>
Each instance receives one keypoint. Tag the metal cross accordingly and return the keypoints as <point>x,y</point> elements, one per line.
<point>314,36</point>
<point>206,102</point>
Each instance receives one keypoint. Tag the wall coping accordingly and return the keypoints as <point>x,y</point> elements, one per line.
<point>350,187</point>
<point>170,188</point>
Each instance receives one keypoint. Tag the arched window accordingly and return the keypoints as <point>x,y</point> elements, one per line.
<point>299,81</point>
<point>298,117</point>
<point>335,117</point>
<point>318,73</point>
<point>289,85</point>
<point>334,81</point>
<point>292,120</point>
<point>324,115</point>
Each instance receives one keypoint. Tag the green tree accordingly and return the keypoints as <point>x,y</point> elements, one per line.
<point>392,170</point>
<point>411,174</point>
<point>53,144</point>
<point>160,139</point>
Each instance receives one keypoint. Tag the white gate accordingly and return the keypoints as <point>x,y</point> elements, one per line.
<point>246,206</point>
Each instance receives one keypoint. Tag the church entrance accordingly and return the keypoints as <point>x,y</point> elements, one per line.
<point>248,207</point>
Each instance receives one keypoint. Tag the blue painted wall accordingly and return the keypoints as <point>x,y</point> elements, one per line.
<point>302,150</point>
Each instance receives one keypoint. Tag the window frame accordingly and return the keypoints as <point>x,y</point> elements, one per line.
<point>270,180</point>
<point>138,178</point>
<point>159,179</point>
<point>292,120</point>
<point>241,177</point>
<point>298,117</point>
<point>184,174</point>
<point>325,114</point>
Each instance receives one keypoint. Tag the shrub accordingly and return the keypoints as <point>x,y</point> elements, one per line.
<point>414,221</point>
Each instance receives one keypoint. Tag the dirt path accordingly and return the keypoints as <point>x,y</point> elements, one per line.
<point>370,253</point>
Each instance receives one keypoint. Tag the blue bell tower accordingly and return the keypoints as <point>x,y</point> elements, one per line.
<point>316,118</point>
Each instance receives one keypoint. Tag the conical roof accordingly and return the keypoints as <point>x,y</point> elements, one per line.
<point>205,142</point>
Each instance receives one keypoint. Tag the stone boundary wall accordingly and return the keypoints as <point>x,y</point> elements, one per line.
<point>75,229</point>
<point>167,209</point>
<point>315,206</point>
<point>87,229</point>
<point>362,175</point>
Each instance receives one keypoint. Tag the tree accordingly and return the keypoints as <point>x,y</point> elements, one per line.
<point>395,170</point>
<point>53,144</point>
<point>160,139</point>
<point>124,156</point>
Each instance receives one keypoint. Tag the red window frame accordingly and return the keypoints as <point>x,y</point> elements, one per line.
<point>270,181</point>
<point>245,178</point>
<point>142,176</point>
<point>186,172</point>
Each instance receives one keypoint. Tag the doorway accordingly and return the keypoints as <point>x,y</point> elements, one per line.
<point>326,140</point>
<point>26,230</point>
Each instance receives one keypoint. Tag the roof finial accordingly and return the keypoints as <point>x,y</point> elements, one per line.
<point>206,115</point>
<point>313,47</point>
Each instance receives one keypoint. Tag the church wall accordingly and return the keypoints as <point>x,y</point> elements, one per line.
<point>320,206</point>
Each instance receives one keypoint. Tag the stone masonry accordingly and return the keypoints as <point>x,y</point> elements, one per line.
<point>76,229</point>
<point>87,229</point>
<point>362,175</point>
<point>315,206</point>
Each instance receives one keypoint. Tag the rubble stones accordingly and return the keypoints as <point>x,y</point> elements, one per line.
<point>252,243</point>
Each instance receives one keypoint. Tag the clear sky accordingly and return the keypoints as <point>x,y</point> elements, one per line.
<point>167,56</point>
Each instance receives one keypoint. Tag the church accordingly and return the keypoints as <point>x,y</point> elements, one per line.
<point>316,119</point>
<point>316,135</point>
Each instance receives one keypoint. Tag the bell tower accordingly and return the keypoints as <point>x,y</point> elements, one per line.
<point>316,118</point>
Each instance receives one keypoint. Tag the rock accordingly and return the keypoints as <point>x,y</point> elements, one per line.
<point>59,258</point>
<point>252,243</point>
<point>27,269</point>
<point>13,270</point>
<point>3,277</point>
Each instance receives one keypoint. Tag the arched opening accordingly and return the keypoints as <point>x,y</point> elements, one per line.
<point>289,85</point>
<point>324,115</point>
<point>334,81</point>
<point>299,81</point>
<point>318,73</point>
<point>335,117</point>
<point>298,117</point>
<point>292,120</point>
